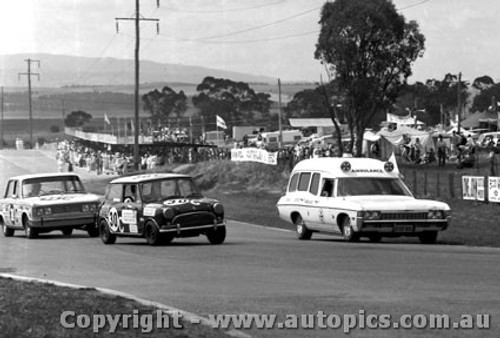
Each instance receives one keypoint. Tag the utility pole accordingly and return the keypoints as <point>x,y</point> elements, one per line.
<point>459,105</point>
<point>28,74</point>
<point>63,111</point>
<point>137,19</point>
<point>280,128</point>
<point>1,130</point>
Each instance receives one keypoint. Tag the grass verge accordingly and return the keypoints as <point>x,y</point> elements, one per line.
<point>33,309</point>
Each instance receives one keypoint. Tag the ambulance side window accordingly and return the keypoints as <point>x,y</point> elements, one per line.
<point>328,187</point>
<point>304,180</point>
<point>314,184</point>
<point>293,183</point>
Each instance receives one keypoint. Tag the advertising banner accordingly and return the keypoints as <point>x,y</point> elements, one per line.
<point>494,189</point>
<point>254,155</point>
<point>473,188</point>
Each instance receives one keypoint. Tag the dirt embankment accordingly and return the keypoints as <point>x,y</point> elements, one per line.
<point>235,176</point>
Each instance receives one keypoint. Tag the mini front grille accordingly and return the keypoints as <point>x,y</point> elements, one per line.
<point>394,216</point>
<point>194,219</point>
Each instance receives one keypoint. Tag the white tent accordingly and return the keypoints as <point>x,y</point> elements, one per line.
<point>391,141</point>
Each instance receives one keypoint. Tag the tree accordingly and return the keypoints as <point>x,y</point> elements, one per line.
<point>77,118</point>
<point>235,102</point>
<point>483,82</point>
<point>483,101</point>
<point>368,48</point>
<point>434,101</point>
<point>161,105</point>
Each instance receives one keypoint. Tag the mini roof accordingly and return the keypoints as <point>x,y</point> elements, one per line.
<point>146,177</point>
<point>359,167</point>
<point>43,175</point>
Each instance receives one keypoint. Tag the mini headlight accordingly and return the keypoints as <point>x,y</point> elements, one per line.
<point>218,209</point>
<point>168,213</point>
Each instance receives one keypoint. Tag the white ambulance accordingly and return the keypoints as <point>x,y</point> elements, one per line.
<point>358,197</point>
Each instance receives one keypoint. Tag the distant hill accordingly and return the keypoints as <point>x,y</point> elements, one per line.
<point>63,70</point>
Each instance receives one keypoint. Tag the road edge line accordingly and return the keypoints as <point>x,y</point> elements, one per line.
<point>188,316</point>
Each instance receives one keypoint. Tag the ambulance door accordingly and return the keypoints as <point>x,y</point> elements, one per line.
<point>327,206</point>
<point>315,211</point>
<point>304,200</point>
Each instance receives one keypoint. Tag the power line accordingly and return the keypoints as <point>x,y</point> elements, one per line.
<point>246,41</point>
<point>96,60</point>
<point>260,26</point>
<point>224,10</point>
<point>414,5</point>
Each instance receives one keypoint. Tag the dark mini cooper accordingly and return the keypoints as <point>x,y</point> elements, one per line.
<point>159,207</point>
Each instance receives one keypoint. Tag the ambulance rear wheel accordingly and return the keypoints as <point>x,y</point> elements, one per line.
<point>349,234</point>
<point>303,233</point>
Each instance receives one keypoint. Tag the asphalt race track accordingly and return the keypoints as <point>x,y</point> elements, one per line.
<point>267,271</point>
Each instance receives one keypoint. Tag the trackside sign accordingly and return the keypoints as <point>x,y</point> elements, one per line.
<point>254,155</point>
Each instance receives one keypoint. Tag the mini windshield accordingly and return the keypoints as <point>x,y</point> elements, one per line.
<point>41,186</point>
<point>359,186</point>
<point>160,190</point>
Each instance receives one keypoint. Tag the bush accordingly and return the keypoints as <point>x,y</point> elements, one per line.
<point>89,129</point>
<point>55,129</point>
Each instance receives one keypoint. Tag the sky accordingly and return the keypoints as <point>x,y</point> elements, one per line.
<point>274,38</point>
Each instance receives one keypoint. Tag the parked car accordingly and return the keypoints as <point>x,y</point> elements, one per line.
<point>41,203</point>
<point>159,207</point>
<point>358,197</point>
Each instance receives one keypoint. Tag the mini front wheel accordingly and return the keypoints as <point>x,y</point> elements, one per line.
<point>106,236</point>
<point>217,236</point>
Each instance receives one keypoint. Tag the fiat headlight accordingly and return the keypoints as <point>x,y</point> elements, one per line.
<point>39,212</point>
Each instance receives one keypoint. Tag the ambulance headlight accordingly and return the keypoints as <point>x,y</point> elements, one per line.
<point>435,214</point>
<point>371,215</point>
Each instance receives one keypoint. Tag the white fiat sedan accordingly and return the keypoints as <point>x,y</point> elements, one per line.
<point>358,197</point>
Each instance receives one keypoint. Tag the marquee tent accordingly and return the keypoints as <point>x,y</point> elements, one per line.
<point>391,141</point>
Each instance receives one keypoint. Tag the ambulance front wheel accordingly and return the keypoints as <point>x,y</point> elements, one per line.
<point>303,233</point>
<point>349,234</point>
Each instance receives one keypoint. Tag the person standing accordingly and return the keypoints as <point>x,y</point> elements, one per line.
<point>455,142</point>
<point>441,151</point>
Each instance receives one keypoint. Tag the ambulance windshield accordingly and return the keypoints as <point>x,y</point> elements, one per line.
<point>362,186</point>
